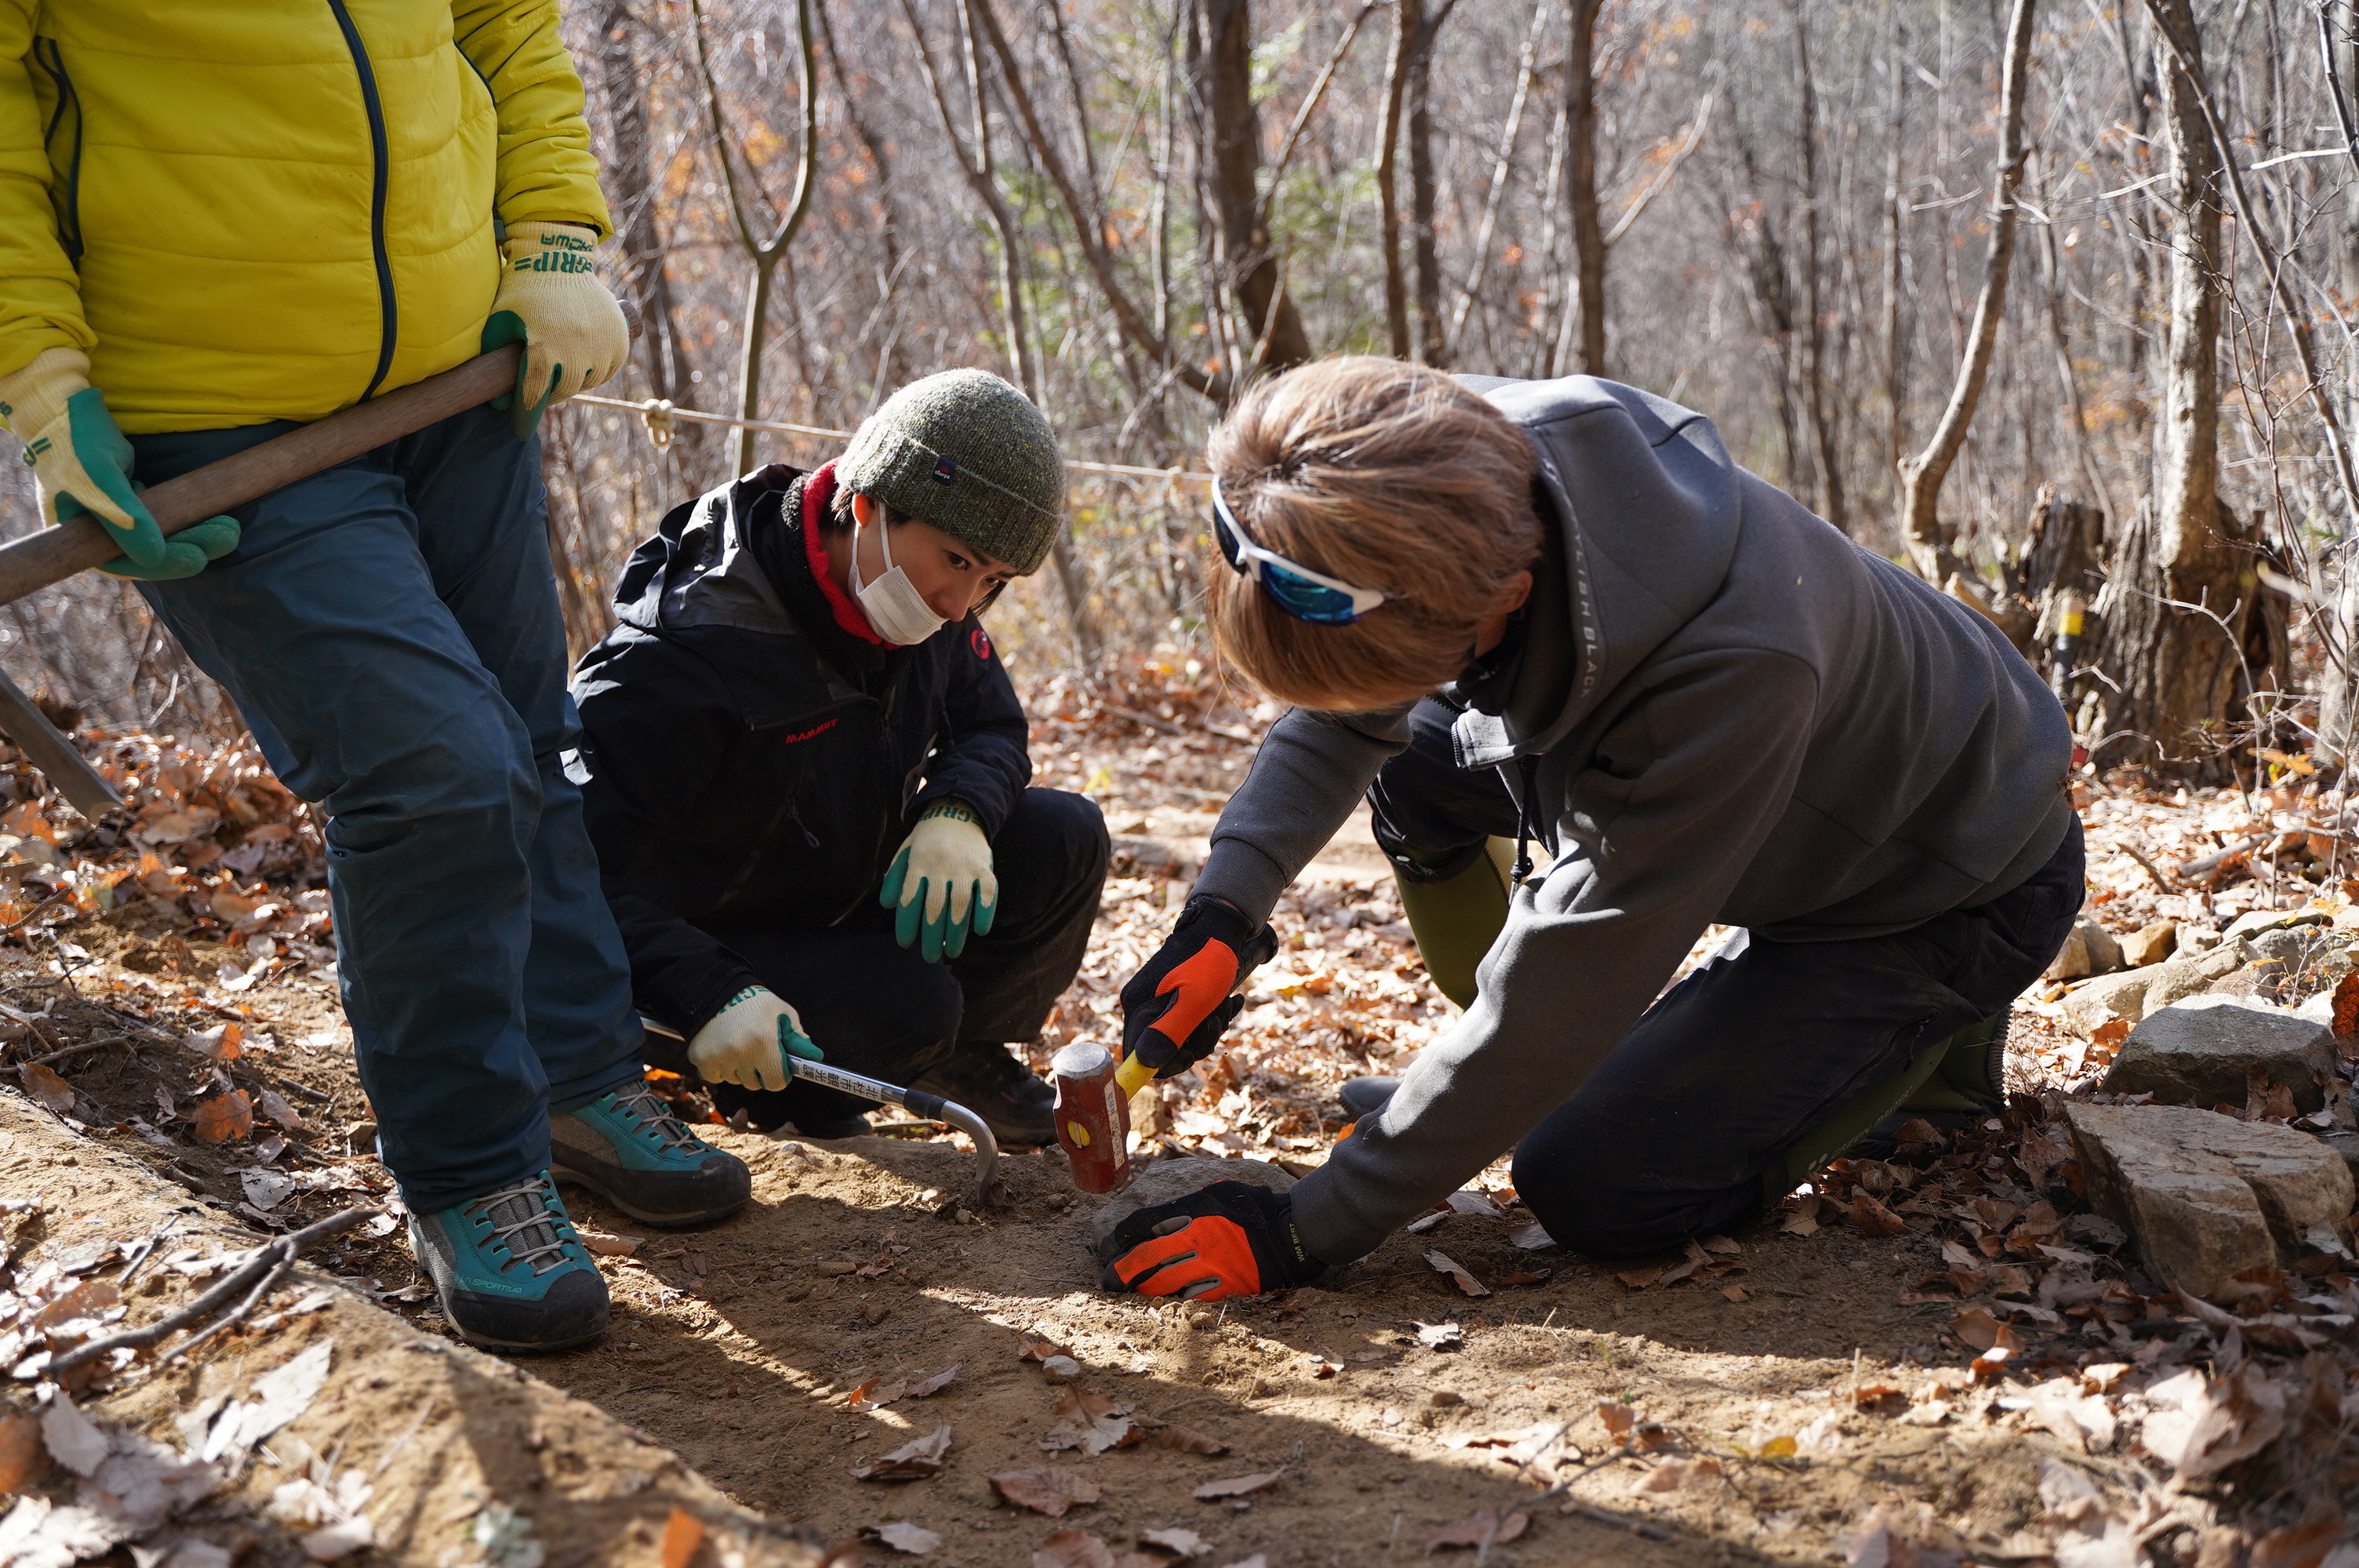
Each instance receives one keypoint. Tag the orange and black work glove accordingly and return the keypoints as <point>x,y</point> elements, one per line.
<point>1174,1008</point>
<point>1228,1239</point>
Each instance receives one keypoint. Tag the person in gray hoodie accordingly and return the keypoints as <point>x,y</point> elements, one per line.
<point>1558,612</point>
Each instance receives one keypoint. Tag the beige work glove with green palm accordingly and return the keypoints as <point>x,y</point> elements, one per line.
<point>82,463</point>
<point>551,300</point>
<point>748,1041</point>
<point>940,883</point>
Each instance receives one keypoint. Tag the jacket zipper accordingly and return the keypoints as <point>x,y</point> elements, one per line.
<point>379,178</point>
<point>69,102</point>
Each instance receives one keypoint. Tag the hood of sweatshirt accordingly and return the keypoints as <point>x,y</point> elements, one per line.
<point>1643,508</point>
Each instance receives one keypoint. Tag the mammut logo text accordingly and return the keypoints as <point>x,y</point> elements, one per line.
<point>806,734</point>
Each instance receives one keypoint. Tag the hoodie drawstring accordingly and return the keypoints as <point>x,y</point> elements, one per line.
<point>1526,821</point>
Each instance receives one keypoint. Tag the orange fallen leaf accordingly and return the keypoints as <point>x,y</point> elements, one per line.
<point>88,1299</point>
<point>1185,1439</point>
<point>20,1453</point>
<point>1880,1398</point>
<point>875,1394</point>
<point>1733,1292</point>
<point>2346,1007</point>
<point>45,1086</point>
<point>683,1533</point>
<point>225,1116</point>
<point>1874,1218</point>
<point>1640,1279</point>
<point>1619,1418</point>
<point>1673,1473</point>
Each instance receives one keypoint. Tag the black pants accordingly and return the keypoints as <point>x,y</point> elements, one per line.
<point>1686,1127</point>
<point>878,1009</point>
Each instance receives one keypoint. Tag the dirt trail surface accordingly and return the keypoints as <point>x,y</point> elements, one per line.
<point>1939,1358</point>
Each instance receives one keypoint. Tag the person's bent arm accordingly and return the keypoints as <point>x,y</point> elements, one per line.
<point>547,173</point>
<point>1306,779</point>
<point>1651,858</point>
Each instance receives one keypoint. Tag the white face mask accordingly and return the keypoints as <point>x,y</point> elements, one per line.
<point>894,608</point>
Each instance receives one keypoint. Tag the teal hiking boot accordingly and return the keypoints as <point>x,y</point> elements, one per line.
<point>630,1150</point>
<point>510,1271</point>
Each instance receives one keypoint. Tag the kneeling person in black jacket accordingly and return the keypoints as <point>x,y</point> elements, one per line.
<point>804,770</point>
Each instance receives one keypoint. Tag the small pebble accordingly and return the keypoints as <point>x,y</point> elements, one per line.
<point>1061,1369</point>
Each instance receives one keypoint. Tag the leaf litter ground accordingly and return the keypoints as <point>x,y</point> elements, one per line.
<point>1940,1357</point>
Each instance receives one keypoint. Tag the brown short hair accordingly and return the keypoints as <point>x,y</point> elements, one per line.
<point>1386,475</point>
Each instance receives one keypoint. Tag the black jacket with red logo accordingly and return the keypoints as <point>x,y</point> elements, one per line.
<point>750,754</point>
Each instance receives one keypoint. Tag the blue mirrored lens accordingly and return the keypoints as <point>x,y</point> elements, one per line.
<point>1305,600</point>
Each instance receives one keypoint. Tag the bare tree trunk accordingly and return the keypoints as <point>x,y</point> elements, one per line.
<point>1432,346</point>
<point>1581,185</point>
<point>2177,666</point>
<point>1895,202</point>
<point>764,254</point>
<point>1920,477</point>
<point>1823,417</point>
<point>1409,16</point>
<point>1254,277</point>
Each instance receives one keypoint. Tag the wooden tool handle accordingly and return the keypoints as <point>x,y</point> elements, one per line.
<point>53,555</point>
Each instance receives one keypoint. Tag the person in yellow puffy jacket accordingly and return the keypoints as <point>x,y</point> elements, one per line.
<point>218,221</point>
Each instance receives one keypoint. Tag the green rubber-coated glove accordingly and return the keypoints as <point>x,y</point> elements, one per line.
<point>941,886</point>
<point>551,300</point>
<point>750,1042</point>
<point>78,454</point>
<point>186,553</point>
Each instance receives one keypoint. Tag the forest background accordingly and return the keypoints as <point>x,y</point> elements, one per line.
<point>2053,301</point>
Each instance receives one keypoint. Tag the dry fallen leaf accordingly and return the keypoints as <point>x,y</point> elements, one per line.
<point>607,1246</point>
<point>1640,1279</point>
<point>875,1394</point>
<point>910,1461</point>
<point>277,1108</point>
<point>1436,1336</point>
<point>1876,1219</point>
<point>1804,1220</point>
<point>1047,1490</point>
<point>1619,1418</point>
<point>88,1299</point>
<point>20,1453</point>
<point>1072,1549</point>
<point>935,1384</point>
<point>1673,1473</point>
<point>1880,1398</point>
<point>1733,1292</point>
<point>683,1533</point>
<point>45,1086</point>
<point>1978,1328</point>
<point>221,1041</point>
<point>902,1536</point>
<point>1237,1487</point>
<point>1030,1348</point>
<point>225,1116</point>
<point>1091,1422</point>
<point>1723,1245</point>
<point>1182,1542</point>
<point>1471,1532</point>
<point>1442,1263</point>
<point>1530,1238</point>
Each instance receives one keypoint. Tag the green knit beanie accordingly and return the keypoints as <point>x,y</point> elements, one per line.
<point>968,453</point>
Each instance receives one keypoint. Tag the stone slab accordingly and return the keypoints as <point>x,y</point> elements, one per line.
<point>1169,1179</point>
<point>2200,1050</point>
<point>2206,1195</point>
<point>2150,944</point>
<point>2134,993</point>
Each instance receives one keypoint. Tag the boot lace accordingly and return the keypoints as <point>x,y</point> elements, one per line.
<point>523,1226</point>
<point>655,1117</point>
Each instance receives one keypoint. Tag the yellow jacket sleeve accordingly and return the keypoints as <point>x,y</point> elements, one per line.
<point>40,298</point>
<point>546,174</point>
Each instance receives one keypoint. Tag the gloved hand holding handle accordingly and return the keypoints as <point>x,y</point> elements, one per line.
<point>549,299</point>
<point>1175,1008</point>
<point>81,462</point>
<point>1228,1239</point>
<point>749,1042</point>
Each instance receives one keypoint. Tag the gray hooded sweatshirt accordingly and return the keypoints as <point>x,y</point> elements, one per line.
<point>1722,710</point>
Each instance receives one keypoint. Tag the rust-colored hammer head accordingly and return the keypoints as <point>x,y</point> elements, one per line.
<point>1092,1116</point>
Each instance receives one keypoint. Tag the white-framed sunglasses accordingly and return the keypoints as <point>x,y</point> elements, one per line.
<point>1294,587</point>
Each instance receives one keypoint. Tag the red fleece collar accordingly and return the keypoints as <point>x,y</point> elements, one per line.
<point>818,491</point>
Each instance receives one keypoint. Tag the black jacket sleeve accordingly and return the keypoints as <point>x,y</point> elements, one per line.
<point>657,729</point>
<point>981,757</point>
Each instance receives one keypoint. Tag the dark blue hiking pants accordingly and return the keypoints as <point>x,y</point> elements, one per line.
<point>389,630</point>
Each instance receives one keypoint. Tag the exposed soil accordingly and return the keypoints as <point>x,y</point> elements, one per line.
<point>1769,1397</point>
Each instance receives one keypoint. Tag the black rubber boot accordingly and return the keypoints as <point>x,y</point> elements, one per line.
<point>993,1085</point>
<point>1365,1097</point>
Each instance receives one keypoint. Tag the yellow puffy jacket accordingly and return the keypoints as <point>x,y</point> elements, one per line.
<point>252,210</point>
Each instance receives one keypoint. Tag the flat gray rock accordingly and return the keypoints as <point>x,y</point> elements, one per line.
<point>2200,1052</point>
<point>1169,1179</point>
<point>2134,993</point>
<point>2206,1195</point>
